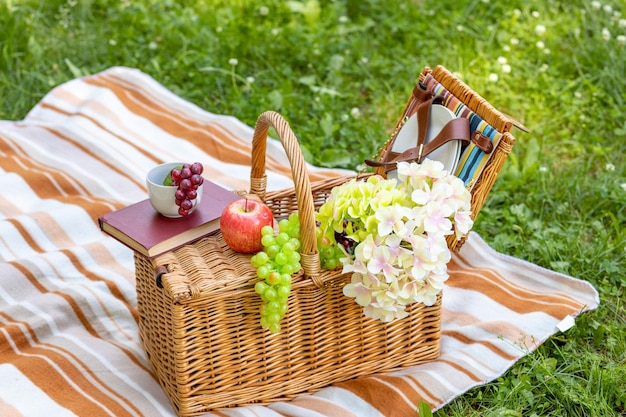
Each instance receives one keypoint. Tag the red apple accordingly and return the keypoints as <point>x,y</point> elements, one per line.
<point>241,224</point>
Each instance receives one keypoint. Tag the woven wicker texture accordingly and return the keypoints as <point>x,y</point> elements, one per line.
<point>199,314</point>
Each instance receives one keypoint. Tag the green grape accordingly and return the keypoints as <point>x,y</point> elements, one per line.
<point>281,259</point>
<point>283,292</point>
<point>270,294</point>
<point>295,242</point>
<point>268,240</point>
<point>284,226</point>
<point>272,251</point>
<point>282,238</point>
<point>263,271</point>
<point>272,307</point>
<point>262,258</point>
<point>283,309</point>
<point>275,264</point>
<point>260,287</point>
<point>330,264</point>
<point>273,278</point>
<point>274,327</point>
<point>287,269</point>
<point>285,279</point>
<point>294,257</point>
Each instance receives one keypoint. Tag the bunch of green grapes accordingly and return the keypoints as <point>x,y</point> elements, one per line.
<point>275,264</point>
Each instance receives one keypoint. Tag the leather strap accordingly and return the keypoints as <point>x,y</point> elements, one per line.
<point>482,142</point>
<point>421,94</point>
<point>456,129</point>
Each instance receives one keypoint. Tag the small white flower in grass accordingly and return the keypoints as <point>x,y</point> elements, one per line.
<point>112,42</point>
<point>623,185</point>
<point>275,31</point>
<point>595,5</point>
<point>540,45</point>
<point>502,60</point>
<point>219,29</point>
<point>535,14</point>
<point>460,28</point>
<point>607,8</point>
<point>506,48</point>
<point>517,12</point>
<point>621,40</point>
<point>343,19</point>
<point>506,68</point>
<point>514,41</point>
<point>609,167</point>
<point>264,10</point>
<point>355,112</point>
<point>364,60</point>
<point>493,77</point>
<point>543,169</point>
<point>540,30</point>
<point>622,23</point>
<point>606,34</point>
<point>233,62</point>
<point>250,80</point>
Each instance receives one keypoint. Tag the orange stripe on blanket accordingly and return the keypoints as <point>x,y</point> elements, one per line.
<point>178,124</point>
<point>59,373</point>
<point>468,341</point>
<point>521,300</point>
<point>502,328</point>
<point>217,143</point>
<point>75,306</point>
<point>461,369</point>
<point>382,397</point>
<point>320,405</point>
<point>139,181</point>
<point>46,182</point>
<point>8,410</point>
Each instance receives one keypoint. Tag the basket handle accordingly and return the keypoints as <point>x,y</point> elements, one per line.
<point>258,180</point>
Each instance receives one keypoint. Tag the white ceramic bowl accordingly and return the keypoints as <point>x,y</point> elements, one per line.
<point>162,196</point>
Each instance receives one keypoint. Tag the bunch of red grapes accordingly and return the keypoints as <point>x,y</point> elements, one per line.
<point>187,178</point>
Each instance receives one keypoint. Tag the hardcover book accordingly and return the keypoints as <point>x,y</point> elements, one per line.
<point>142,229</point>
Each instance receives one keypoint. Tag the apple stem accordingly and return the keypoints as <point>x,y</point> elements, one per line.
<point>246,206</point>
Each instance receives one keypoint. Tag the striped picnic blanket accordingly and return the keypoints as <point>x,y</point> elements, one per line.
<point>69,343</point>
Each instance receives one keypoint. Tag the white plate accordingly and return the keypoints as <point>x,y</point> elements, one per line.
<point>448,154</point>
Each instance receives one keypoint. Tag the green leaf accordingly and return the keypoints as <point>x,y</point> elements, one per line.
<point>423,409</point>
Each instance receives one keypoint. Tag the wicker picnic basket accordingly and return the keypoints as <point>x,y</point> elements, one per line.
<point>199,320</point>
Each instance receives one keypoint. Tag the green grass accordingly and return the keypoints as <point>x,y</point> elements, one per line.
<point>340,71</point>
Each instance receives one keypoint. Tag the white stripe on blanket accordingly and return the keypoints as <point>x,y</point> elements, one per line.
<point>69,343</point>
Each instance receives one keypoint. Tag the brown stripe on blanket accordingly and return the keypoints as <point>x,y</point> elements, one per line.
<point>320,405</point>
<point>387,400</point>
<point>217,144</point>
<point>59,373</point>
<point>518,299</point>
<point>502,328</point>
<point>139,181</point>
<point>461,369</point>
<point>9,410</point>
<point>44,181</point>
<point>113,289</point>
<point>469,341</point>
<point>76,307</point>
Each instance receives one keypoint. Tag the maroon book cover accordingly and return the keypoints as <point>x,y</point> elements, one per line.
<point>141,228</point>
